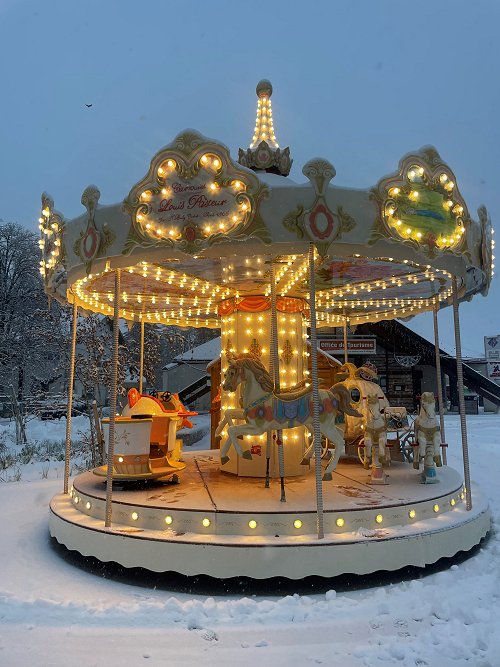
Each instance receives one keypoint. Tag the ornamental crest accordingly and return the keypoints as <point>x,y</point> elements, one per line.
<point>265,157</point>
<point>287,353</point>
<point>487,245</point>
<point>421,206</point>
<point>255,348</point>
<point>319,223</point>
<point>92,243</point>
<point>193,196</point>
<point>53,262</point>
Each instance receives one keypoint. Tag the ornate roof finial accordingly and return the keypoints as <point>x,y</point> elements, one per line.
<point>264,152</point>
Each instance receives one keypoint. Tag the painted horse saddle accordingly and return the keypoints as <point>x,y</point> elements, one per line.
<point>293,393</point>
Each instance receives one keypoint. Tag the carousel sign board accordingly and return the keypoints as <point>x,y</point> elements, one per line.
<point>198,200</point>
<point>194,196</point>
<point>354,345</point>
<point>421,206</point>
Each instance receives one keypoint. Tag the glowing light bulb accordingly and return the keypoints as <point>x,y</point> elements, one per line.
<point>297,523</point>
<point>206,523</point>
<point>379,518</point>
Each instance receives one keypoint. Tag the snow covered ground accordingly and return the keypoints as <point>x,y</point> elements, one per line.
<point>54,613</point>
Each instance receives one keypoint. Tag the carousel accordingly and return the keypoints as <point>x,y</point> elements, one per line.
<point>303,477</point>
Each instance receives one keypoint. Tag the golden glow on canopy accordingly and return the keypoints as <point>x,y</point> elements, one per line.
<point>188,293</point>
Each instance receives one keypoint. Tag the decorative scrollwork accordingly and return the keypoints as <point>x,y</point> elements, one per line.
<point>319,223</point>
<point>193,196</point>
<point>51,243</point>
<point>421,206</point>
<point>92,242</point>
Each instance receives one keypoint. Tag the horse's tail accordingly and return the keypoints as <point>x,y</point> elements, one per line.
<point>344,400</point>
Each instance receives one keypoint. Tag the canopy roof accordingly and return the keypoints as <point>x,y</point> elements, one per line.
<point>200,228</point>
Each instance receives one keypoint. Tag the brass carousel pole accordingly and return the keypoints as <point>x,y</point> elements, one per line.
<point>345,338</point>
<point>461,400</point>
<point>141,364</point>
<point>112,400</point>
<point>275,366</point>
<point>70,395</point>
<point>315,395</point>
<point>439,382</point>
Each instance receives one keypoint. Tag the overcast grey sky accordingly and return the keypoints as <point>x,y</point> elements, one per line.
<point>360,83</point>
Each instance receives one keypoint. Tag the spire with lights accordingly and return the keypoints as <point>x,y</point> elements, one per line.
<point>264,152</point>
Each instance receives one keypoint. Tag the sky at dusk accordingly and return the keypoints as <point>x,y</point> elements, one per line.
<point>359,83</point>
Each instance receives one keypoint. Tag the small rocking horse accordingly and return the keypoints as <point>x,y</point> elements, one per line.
<point>428,435</point>
<point>266,411</point>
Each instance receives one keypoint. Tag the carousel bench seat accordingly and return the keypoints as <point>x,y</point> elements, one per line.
<point>132,444</point>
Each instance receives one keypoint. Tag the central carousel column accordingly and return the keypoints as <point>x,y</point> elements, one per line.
<point>275,374</point>
<point>246,329</point>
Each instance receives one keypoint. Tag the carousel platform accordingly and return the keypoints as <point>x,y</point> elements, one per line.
<point>224,526</point>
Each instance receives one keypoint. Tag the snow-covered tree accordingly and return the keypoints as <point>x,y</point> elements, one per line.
<point>152,356</point>
<point>30,354</point>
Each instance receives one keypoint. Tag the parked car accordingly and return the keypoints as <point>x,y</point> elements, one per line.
<point>55,408</point>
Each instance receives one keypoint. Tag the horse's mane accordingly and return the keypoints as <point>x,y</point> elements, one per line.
<point>255,366</point>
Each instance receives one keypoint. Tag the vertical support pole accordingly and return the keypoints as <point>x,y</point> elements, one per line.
<point>275,365</point>
<point>345,338</point>
<point>112,401</point>
<point>269,442</point>
<point>70,395</point>
<point>461,400</point>
<point>315,395</point>
<point>439,380</point>
<point>141,363</point>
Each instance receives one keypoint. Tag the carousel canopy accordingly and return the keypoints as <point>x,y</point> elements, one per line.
<point>197,234</point>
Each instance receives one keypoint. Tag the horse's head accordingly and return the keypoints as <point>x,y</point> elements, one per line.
<point>373,401</point>
<point>428,403</point>
<point>234,374</point>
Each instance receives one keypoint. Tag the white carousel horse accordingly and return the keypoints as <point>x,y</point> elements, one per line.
<point>428,435</point>
<point>227,420</point>
<point>363,389</point>
<point>265,411</point>
<point>375,432</point>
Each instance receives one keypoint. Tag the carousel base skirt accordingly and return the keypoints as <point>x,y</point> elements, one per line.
<point>215,524</point>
